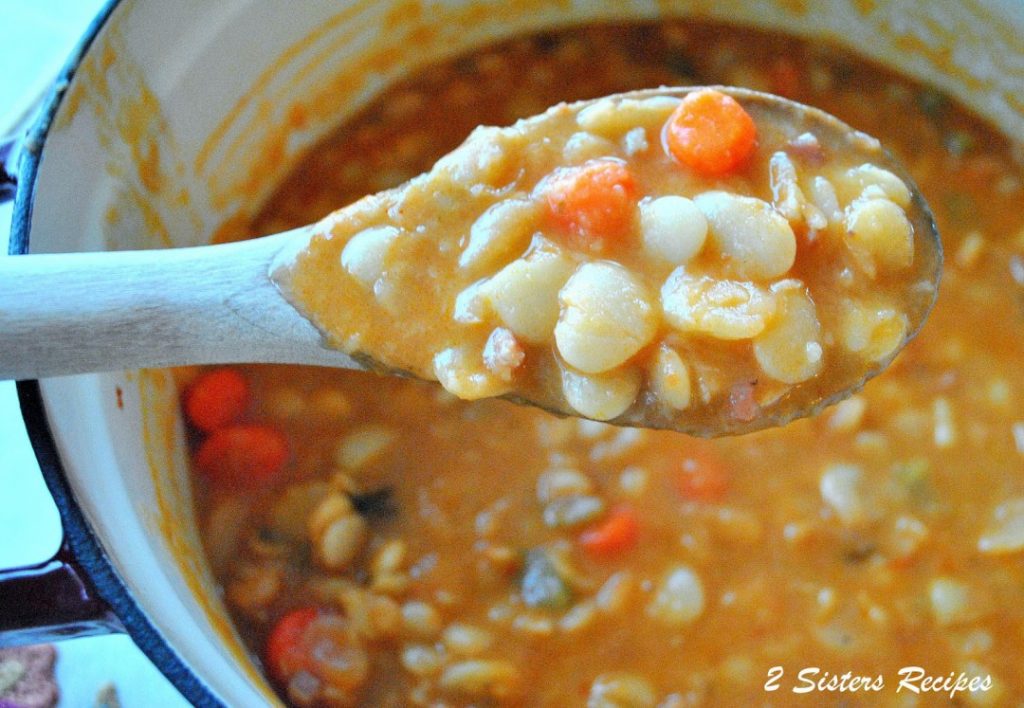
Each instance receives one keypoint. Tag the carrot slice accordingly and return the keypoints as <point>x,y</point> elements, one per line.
<point>217,398</point>
<point>710,132</point>
<point>703,476</point>
<point>243,454</point>
<point>592,202</point>
<point>617,532</point>
<point>284,651</point>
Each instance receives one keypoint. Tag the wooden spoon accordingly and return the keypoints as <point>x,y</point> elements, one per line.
<point>87,312</point>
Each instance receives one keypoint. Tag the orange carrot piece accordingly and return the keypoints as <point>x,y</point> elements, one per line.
<point>284,653</point>
<point>243,455</point>
<point>592,202</point>
<point>703,476</point>
<point>617,532</point>
<point>710,132</point>
<point>217,398</point>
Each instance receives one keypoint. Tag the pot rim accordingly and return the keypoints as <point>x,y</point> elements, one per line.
<point>78,534</point>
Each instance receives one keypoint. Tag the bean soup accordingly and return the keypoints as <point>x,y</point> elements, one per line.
<point>382,543</point>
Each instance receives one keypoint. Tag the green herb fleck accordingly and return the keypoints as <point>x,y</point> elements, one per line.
<point>680,65</point>
<point>541,585</point>
<point>913,478</point>
<point>933,103</point>
<point>959,142</point>
<point>379,503</point>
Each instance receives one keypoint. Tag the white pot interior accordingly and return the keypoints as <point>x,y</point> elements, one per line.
<point>183,115</point>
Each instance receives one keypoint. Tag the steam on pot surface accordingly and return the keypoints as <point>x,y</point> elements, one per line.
<point>382,543</point>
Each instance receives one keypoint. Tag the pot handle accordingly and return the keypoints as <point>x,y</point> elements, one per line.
<point>54,599</point>
<point>51,601</point>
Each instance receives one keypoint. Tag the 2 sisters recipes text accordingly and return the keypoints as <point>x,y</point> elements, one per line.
<point>909,679</point>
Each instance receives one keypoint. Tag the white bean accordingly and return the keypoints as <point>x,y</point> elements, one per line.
<point>879,229</point>
<point>635,142</point>
<point>482,159</point>
<point>578,617</point>
<point>842,488</point>
<point>562,482</point>
<point>583,146</point>
<point>673,229</point>
<point>787,197</point>
<point>462,372</point>
<point>331,507</point>
<point>524,294</point>
<point>679,599</point>
<point>1006,533</point>
<point>533,625</point>
<point>470,304</point>
<point>223,529</point>
<point>466,640</point>
<point>601,396</point>
<point>613,117</point>
<point>823,193</point>
<point>754,239</point>
<point>330,403</point>
<point>725,309</point>
<point>633,481</point>
<point>421,659</point>
<point>363,445</point>
<point>503,354</point>
<point>857,179</point>
<point>951,601</point>
<point>847,415</point>
<point>613,595</point>
<point>421,619</point>
<point>874,331</point>
<point>621,690</point>
<point>254,587</point>
<point>480,677</point>
<point>284,402</point>
<point>499,233</point>
<point>670,378</point>
<point>365,255</point>
<point>389,558</point>
<point>341,541</point>
<point>789,349</point>
<point>607,316</point>
<point>570,511</point>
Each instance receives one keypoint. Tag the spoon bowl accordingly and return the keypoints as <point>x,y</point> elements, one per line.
<point>75,313</point>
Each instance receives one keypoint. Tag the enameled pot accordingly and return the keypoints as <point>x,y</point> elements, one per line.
<point>176,118</point>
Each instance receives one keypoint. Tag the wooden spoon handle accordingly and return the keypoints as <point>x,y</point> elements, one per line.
<point>80,312</point>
